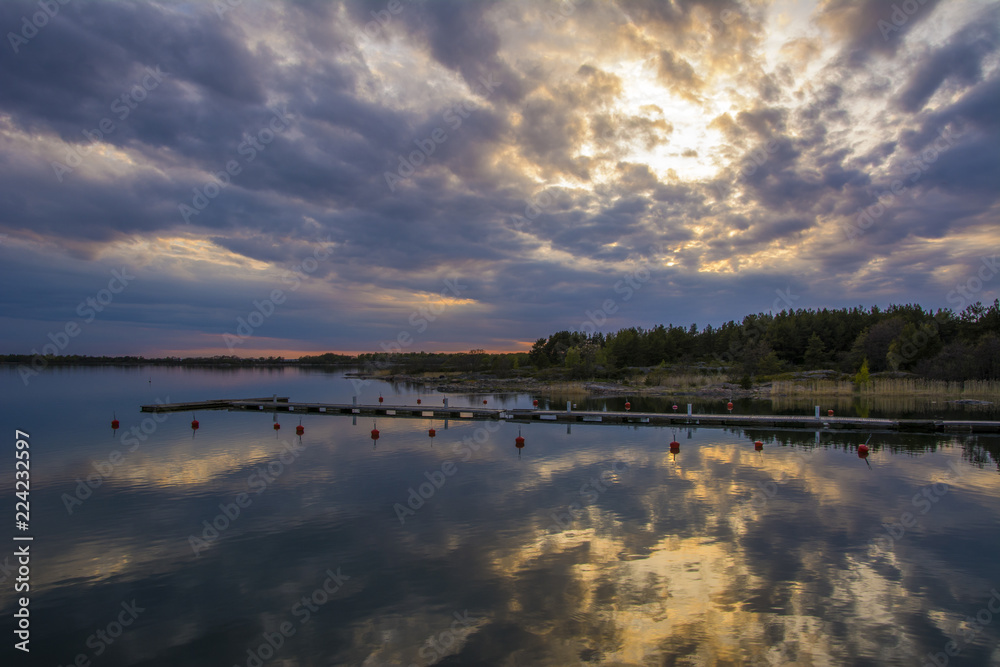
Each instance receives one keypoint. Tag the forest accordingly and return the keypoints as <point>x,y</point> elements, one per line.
<point>936,345</point>
<point>939,345</point>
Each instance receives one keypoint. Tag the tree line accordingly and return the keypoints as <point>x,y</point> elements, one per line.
<point>134,360</point>
<point>941,344</point>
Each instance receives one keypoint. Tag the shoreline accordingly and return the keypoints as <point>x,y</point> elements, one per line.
<point>473,383</point>
<point>468,383</point>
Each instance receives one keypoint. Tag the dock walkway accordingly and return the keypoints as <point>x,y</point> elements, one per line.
<point>523,415</point>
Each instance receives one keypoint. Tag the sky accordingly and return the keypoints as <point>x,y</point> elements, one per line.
<point>288,178</point>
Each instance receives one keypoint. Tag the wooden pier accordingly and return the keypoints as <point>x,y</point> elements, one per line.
<point>524,415</point>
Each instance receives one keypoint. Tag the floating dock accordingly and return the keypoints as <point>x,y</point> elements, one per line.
<point>214,404</point>
<point>523,415</point>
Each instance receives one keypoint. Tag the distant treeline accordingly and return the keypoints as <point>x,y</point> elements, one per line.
<point>938,345</point>
<point>127,360</point>
<point>502,364</point>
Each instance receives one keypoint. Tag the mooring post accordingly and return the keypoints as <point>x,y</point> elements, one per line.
<point>569,406</point>
<point>817,412</point>
<point>446,401</point>
<point>354,401</point>
<point>689,409</point>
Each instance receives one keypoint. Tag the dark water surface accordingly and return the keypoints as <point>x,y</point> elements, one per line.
<point>595,546</point>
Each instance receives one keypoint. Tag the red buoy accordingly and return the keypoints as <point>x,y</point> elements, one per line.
<point>114,424</point>
<point>758,445</point>
<point>675,408</point>
<point>299,430</point>
<point>380,398</point>
<point>535,402</point>
<point>519,443</point>
<point>277,426</point>
<point>431,432</point>
<point>829,413</point>
<point>484,401</point>
<point>374,434</point>
<point>418,401</point>
<point>730,406</point>
<point>675,446</point>
<point>862,451</point>
<point>628,406</point>
<point>194,424</point>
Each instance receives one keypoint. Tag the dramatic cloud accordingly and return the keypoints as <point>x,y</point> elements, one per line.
<point>501,165</point>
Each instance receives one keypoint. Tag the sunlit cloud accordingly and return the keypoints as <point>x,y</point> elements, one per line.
<point>530,149</point>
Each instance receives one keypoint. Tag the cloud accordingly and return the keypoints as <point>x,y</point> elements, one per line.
<point>709,141</point>
<point>679,76</point>
<point>959,61</point>
<point>856,25</point>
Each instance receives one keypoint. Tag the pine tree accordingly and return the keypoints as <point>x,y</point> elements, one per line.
<point>815,355</point>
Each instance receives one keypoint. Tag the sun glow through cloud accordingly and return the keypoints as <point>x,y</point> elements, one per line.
<point>538,157</point>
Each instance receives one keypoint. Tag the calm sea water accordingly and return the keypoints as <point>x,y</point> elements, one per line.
<point>241,545</point>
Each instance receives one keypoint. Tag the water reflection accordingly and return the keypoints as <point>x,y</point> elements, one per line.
<point>875,405</point>
<point>600,546</point>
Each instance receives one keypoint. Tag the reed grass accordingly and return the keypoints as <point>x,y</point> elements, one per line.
<point>805,388</point>
<point>987,390</point>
